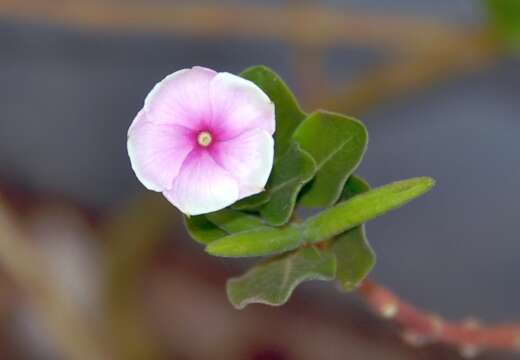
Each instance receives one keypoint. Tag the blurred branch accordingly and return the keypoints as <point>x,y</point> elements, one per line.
<point>421,328</point>
<point>462,52</point>
<point>74,334</point>
<point>312,25</point>
<point>433,50</point>
<point>307,63</point>
<point>132,237</point>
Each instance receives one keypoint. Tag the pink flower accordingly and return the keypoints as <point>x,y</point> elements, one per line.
<point>203,139</point>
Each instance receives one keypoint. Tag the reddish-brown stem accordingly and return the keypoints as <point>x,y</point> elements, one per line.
<point>420,327</point>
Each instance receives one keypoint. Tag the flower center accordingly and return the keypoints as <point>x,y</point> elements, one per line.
<point>204,138</point>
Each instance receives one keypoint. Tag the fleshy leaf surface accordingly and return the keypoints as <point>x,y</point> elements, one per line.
<point>252,202</point>
<point>202,230</point>
<point>325,225</point>
<point>210,227</point>
<point>288,116</point>
<point>354,256</point>
<point>287,110</point>
<point>361,208</point>
<point>291,171</point>
<point>354,186</point>
<point>272,282</point>
<point>234,221</point>
<point>257,242</point>
<point>337,144</point>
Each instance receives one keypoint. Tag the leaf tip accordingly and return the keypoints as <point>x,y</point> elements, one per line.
<point>211,249</point>
<point>216,248</point>
<point>233,299</point>
<point>428,182</point>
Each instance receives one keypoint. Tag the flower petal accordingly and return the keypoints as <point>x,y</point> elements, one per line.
<point>239,105</point>
<point>202,186</point>
<point>248,157</point>
<point>157,151</point>
<point>181,98</point>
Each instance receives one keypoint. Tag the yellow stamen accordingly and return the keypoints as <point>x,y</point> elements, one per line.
<point>204,138</point>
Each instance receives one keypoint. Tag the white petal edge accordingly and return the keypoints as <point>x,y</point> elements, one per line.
<point>240,105</point>
<point>157,151</point>
<point>249,158</point>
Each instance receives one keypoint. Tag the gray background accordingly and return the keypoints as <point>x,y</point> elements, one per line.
<point>68,96</point>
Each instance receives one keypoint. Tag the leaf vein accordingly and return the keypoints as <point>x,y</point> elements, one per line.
<point>334,152</point>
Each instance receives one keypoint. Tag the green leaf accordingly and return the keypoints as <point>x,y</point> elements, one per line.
<point>234,221</point>
<point>504,16</point>
<point>327,224</point>
<point>273,281</point>
<point>252,202</point>
<point>354,186</point>
<point>202,230</point>
<point>288,112</point>
<point>337,144</point>
<point>288,116</point>
<point>354,256</point>
<point>210,227</point>
<point>361,208</point>
<point>257,242</point>
<point>290,173</point>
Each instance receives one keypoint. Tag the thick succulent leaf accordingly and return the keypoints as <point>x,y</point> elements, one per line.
<point>252,202</point>
<point>504,16</point>
<point>354,256</point>
<point>202,230</point>
<point>355,185</point>
<point>210,227</point>
<point>288,112</point>
<point>234,221</point>
<point>273,281</point>
<point>290,173</point>
<point>361,208</point>
<point>288,116</point>
<point>327,224</point>
<point>257,242</point>
<point>337,144</point>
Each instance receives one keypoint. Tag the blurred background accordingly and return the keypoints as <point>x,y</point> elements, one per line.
<point>95,267</point>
